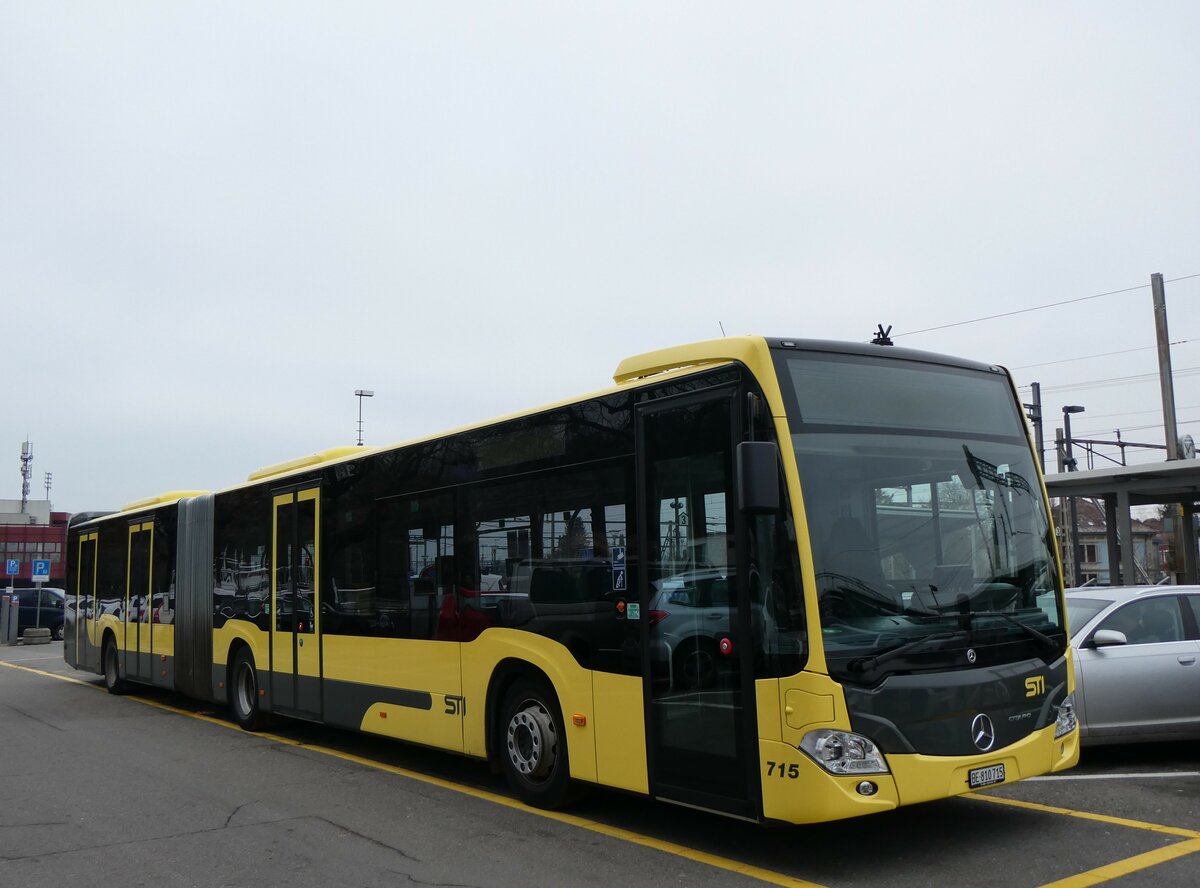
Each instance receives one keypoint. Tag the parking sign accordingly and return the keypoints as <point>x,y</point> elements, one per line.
<point>12,567</point>
<point>41,569</point>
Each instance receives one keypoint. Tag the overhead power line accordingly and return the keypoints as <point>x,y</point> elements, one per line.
<point>1118,380</point>
<point>1101,355</point>
<point>1157,412</point>
<point>1018,311</point>
<point>1124,428</point>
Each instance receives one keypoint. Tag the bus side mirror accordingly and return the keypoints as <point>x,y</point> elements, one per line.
<point>758,477</point>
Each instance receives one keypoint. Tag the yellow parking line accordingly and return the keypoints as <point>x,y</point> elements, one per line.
<point>1087,815</point>
<point>86,684</point>
<point>1120,867</point>
<point>724,863</point>
<point>1128,865</point>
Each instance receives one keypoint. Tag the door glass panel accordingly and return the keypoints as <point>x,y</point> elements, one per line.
<point>695,640</point>
<point>139,575</point>
<point>306,513</point>
<point>283,567</point>
<point>87,574</point>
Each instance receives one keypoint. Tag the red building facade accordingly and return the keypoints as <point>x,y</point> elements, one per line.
<point>27,542</point>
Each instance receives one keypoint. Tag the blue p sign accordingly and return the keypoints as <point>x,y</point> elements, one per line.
<point>12,567</point>
<point>41,569</point>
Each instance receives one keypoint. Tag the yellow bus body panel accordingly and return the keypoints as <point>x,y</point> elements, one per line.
<point>923,778</point>
<point>234,630</point>
<point>163,637</point>
<point>401,663</point>
<point>572,683</point>
<point>814,795</point>
<point>108,622</point>
<point>804,702</point>
<point>620,731</point>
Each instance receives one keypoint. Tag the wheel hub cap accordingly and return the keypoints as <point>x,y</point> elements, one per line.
<point>532,743</point>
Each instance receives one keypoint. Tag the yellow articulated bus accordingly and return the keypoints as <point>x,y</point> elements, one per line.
<point>782,580</point>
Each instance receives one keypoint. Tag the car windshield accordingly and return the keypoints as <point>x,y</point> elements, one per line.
<point>1081,610</point>
<point>929,532</point>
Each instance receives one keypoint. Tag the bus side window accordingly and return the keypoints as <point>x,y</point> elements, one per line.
<point>415,596</point>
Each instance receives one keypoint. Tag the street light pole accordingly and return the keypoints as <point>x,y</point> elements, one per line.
<point>360,394</point>
<point>1076,548</point>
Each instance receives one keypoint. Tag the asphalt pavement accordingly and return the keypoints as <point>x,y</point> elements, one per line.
<point>156,789</point>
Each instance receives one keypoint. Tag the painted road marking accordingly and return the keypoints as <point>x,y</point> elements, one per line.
<point>1133,775</point>
<point>1081,880</point>
<point>1127,866</point>
<point>1120,867</point>
<point>724,863</point>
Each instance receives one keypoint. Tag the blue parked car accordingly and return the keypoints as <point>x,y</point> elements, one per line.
<point>47,613</point>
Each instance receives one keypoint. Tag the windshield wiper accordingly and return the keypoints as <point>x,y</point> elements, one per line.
<point>1048,644</point>
<point>867,664</point>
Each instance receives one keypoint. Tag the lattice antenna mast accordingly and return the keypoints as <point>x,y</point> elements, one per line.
<point>26,474</point>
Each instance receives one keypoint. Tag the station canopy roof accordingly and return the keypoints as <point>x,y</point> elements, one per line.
<point>1177,481</point>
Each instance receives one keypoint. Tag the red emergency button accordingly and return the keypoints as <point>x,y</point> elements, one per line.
<point>726,646</point>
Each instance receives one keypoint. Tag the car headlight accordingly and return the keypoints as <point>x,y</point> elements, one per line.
<point>841,752</point>
<point>1066,721</point>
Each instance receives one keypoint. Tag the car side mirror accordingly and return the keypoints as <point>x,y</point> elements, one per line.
<point>1108,638</point>
<point>758,477</point>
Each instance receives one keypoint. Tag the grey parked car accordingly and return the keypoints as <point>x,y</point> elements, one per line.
<point>1137,662</point>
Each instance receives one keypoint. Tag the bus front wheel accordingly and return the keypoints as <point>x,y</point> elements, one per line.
<point>533,745</point>
<point>243,692</point>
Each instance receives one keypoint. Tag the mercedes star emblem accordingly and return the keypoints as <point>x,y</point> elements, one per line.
<point>982,732</point>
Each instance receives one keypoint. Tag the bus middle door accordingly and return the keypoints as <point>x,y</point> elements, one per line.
<point>138,660</point>
<point>295,603</point>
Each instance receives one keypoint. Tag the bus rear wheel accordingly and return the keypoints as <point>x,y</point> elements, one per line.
<point>112,668</point>
<point>533,745</point>
<point>243,692</point>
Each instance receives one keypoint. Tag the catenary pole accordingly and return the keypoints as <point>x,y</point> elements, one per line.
<point>1164,366</point>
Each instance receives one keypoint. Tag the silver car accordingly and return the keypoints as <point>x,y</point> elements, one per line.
<point>1137,662</point>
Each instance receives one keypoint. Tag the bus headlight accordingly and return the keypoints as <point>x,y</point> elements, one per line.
<point>1066,721</point>
<point>841,752</point>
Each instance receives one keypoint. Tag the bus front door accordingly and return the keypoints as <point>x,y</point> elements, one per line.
<point>700,714</point>
<point>295,604</point>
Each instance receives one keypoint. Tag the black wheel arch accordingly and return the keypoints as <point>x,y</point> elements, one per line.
<point>507,673</point>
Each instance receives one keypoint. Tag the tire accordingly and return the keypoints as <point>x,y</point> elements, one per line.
<point>59,633</point>
<point>243,692</point>
<point>532,745</point>
<point>110,660</point>
<point>696,664</point>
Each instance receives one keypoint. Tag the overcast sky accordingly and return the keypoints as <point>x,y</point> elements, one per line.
<point>219,220</point>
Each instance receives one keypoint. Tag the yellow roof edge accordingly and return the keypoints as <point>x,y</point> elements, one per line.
<point>695,354</point>
<point>313,459</point>
<point>170,496</point>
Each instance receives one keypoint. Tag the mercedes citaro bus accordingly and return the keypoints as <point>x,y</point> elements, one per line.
<point>783,580</point>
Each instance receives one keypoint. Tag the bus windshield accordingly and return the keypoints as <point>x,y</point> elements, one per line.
<point>930,538</point>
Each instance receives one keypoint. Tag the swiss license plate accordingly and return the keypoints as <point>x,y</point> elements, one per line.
<point>985,776</point>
